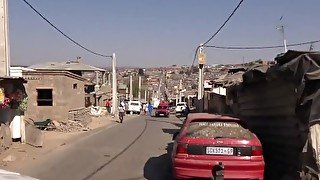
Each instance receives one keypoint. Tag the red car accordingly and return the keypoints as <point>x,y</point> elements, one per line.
<point>214,145</point>
<point>163,110</point>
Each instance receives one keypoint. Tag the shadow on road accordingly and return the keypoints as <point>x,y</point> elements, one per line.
<point>159,167</point>
<point>178,124</point>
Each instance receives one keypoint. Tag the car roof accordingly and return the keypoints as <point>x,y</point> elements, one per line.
<point>164,103</point>
<point>210,117</point>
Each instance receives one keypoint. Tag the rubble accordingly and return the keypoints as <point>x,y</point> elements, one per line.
<point>78,121</point>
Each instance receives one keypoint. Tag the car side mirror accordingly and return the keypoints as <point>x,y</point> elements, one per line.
<point>175,135</point>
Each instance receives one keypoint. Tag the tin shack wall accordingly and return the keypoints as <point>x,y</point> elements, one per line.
<point>269,107</point>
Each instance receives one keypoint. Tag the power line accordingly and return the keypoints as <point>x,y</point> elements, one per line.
<point>65,35</point>
<point>225,22</point>
<point>259,47</point>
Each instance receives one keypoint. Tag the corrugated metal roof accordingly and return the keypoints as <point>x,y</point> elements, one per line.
<point>68,65</point>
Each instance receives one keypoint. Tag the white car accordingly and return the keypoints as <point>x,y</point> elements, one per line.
<point>181,106</point>
<point>134,107</point>
<point>14,176</point>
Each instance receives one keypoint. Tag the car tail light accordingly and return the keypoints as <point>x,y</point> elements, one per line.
<point>256,151</point>
<point>182,149</point>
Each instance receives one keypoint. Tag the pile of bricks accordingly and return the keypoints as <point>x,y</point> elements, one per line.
<point>78,120</point>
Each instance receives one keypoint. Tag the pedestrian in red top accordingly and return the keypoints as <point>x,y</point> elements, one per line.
<point>108,105</point>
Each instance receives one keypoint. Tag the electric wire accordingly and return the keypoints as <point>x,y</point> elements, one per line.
<point>225,22</point>
<point>259,47</point>
<point>65,35</point>
<point>216,33</point>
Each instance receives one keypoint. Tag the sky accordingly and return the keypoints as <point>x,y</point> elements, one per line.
<point>154,33</point>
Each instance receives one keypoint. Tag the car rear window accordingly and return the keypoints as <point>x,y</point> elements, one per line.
<point>209,129</point>
<point>181,104</point>
<point>162,107</point>
<point>134,104</point>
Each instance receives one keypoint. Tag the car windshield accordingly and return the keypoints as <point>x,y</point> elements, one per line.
<point>209,129</point>
<point>181,104</point>
<point>134,104</point>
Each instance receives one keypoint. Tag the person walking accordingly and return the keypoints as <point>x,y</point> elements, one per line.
<point>150,108</point>
<point>121,111</point>
<point>108,105</point>
<point>144,107</point>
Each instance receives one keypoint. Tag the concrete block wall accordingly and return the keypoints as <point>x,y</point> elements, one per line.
<point>66,95</point>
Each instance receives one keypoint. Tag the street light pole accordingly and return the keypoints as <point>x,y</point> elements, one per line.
<point>201,57</point>
<point>114,85</point>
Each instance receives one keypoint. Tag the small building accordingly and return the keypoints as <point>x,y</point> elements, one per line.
<point>96,77</point>
<point>52,94</point>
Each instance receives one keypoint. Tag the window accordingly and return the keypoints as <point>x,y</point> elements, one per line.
<point>44,97</point>
<point>75,86</point>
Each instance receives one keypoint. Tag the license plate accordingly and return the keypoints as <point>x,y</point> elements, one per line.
<point>219,150</point>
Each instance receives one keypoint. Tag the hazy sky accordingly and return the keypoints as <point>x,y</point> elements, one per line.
<point>146,33</point>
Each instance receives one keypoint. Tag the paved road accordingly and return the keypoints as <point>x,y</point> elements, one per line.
<point>137,149</point>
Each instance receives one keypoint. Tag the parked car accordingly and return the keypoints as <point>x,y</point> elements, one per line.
<point>209,145</point>
<point>134,107</point>
<point>163,110</point>
<point>181,106</point>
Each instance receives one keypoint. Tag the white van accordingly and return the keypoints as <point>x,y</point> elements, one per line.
<point>134,107</point>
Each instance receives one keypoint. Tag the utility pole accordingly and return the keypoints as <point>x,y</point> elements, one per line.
<point>180,89</point>
<point>109,79</point>
<point>159,89</point>
<point>145,96</point>
<point>114,85</point>
<point>127,93</point>
<point>4,39</point>
<point>139,92</point>
<point>131,94</point>
<point>281,29</point>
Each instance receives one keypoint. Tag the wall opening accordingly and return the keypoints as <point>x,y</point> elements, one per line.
<point>75,86</point>
<point>44,97</point>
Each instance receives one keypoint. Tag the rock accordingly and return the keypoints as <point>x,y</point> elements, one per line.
<point>9,158</point>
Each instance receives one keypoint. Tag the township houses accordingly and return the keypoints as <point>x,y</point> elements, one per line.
<point>58,90</point>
